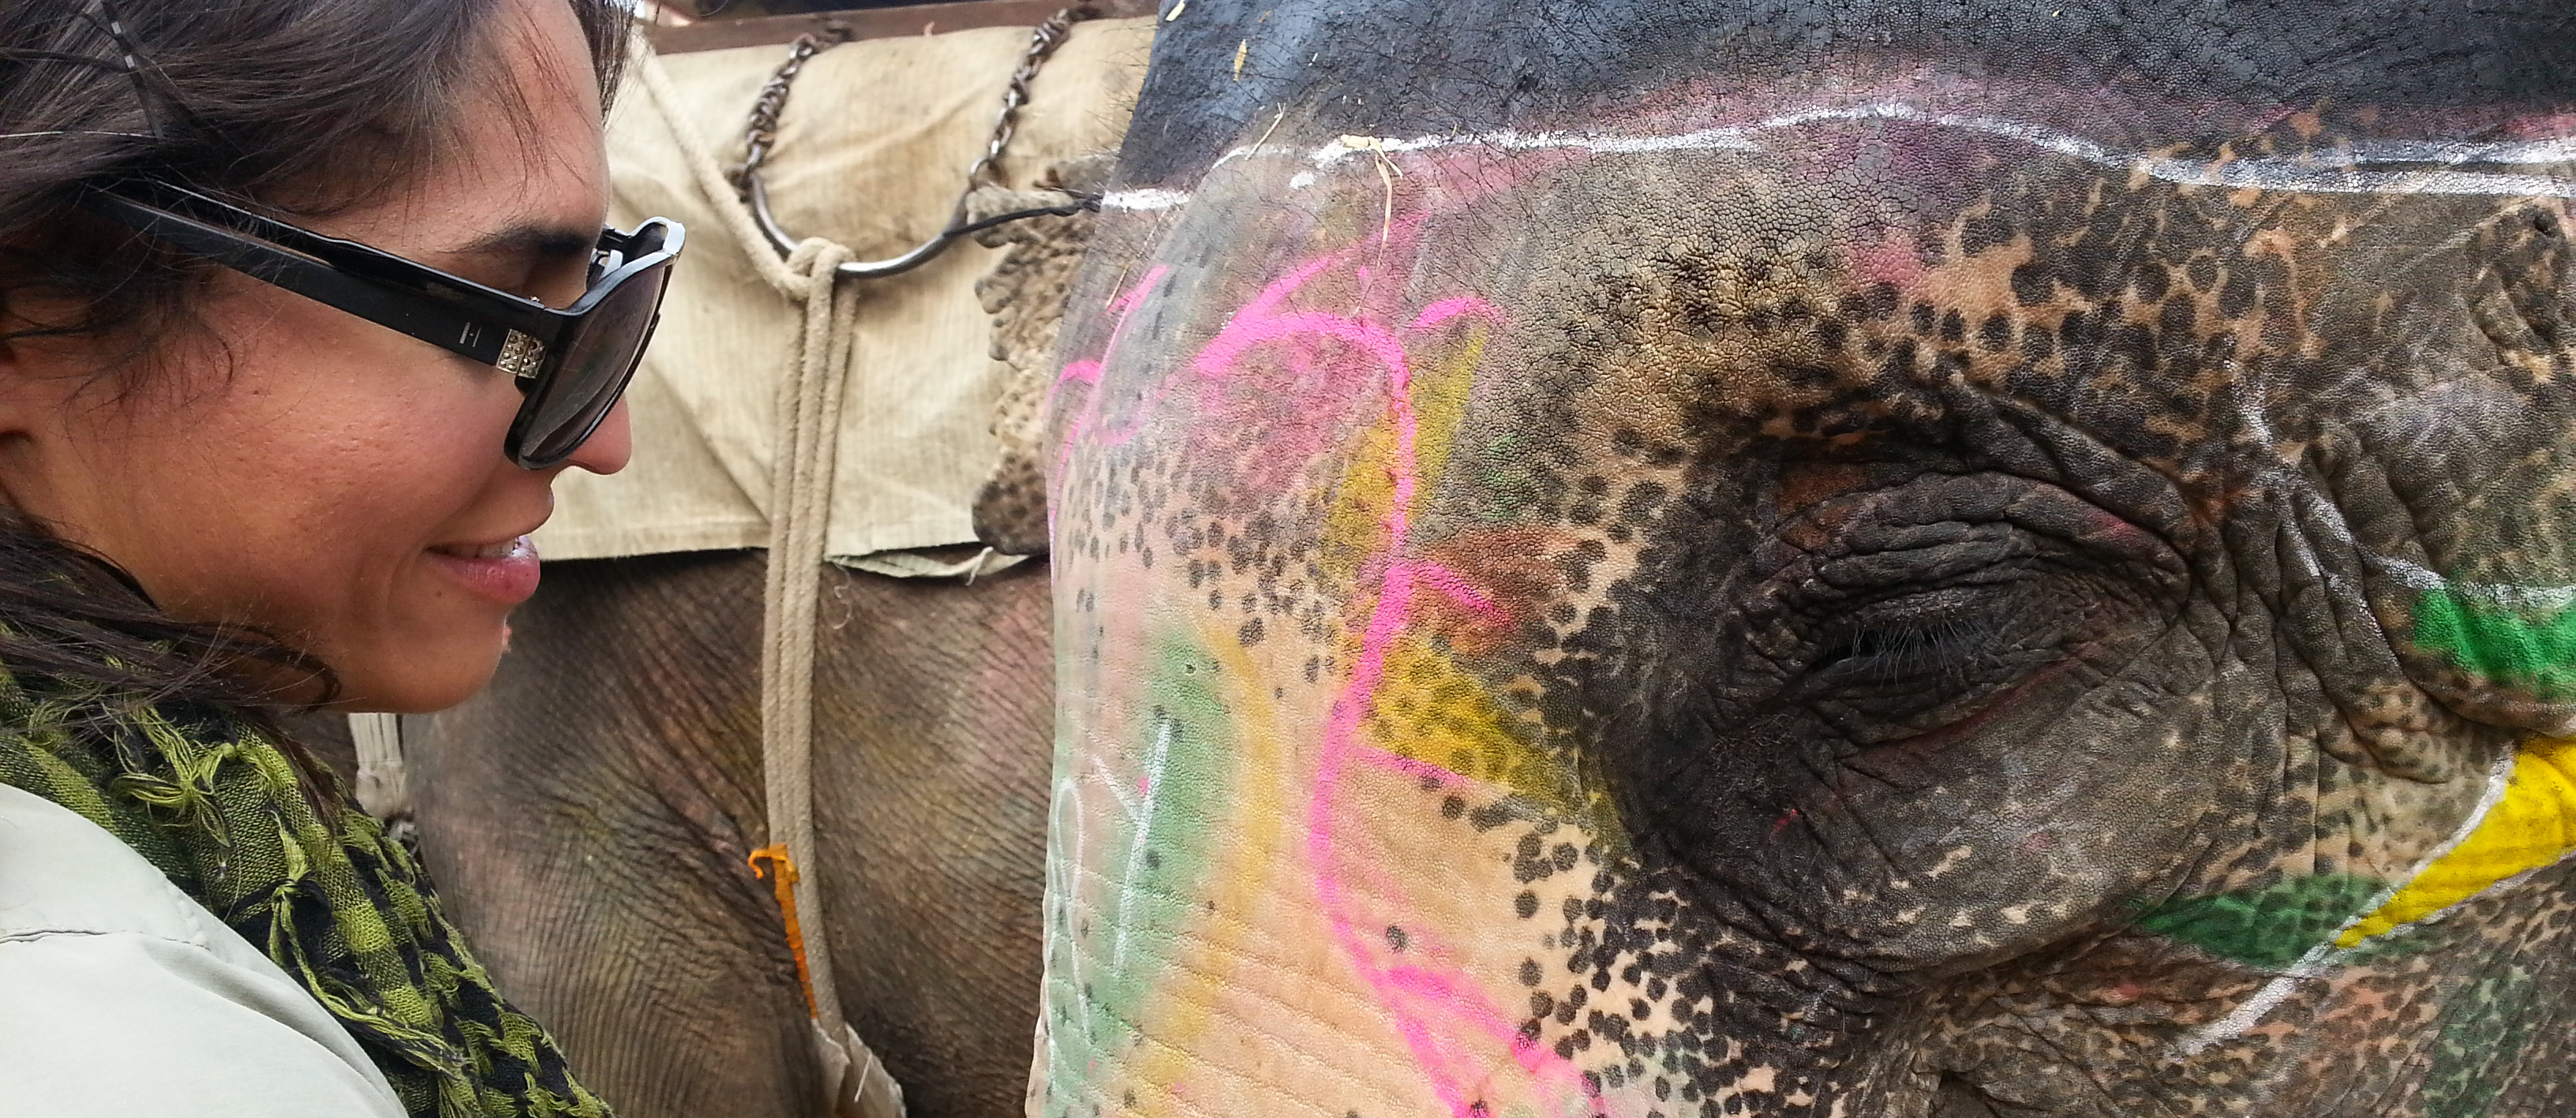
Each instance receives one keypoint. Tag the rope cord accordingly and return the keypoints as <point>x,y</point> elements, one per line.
<point>710,176</point>
<point>808,411</point>
<point>808,414</point>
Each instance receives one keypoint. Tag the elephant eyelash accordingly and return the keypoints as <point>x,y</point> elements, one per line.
<point>1909,650</point>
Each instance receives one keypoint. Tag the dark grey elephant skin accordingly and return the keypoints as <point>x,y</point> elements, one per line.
<point>587,819</point>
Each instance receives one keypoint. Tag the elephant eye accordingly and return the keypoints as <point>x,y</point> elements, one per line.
<point>1889,661</point>
<point>1898,611</point>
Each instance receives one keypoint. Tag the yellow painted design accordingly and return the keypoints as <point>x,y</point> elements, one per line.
<point>1355,526</point>
<point>2533,825</point>
<point>1431,710</point>
<point>1440,390</point>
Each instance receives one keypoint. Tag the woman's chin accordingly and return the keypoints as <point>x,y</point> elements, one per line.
<point>425,676</point>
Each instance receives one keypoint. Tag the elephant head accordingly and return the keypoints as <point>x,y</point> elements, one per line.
<point>1875,559</point>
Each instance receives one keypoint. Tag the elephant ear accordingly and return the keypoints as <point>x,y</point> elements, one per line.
<point>2483,600</point>
<point>1025,294</point>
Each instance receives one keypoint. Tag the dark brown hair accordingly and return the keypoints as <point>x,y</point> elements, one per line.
<point>300,106</point>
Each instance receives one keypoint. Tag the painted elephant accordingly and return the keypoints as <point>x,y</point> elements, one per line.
<point>1882,558</point>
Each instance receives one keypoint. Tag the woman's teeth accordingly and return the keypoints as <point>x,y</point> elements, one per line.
<point>502,550</point>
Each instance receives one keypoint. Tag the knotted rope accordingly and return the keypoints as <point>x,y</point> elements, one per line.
<point>808,412</point>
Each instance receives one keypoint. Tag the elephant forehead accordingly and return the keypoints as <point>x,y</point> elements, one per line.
<point>1479,64</point>
<point>1843,268</point>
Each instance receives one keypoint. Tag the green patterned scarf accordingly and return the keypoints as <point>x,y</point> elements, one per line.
<point>213,802</point>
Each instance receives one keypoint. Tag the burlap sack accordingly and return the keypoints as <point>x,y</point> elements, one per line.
<point>872,152</point>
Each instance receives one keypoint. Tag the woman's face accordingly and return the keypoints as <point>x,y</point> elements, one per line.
<point>330,481</point>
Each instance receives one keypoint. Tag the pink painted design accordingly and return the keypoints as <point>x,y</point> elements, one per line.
<point>1124,306</point>
<point>1459,306</point>
<point>1454,585</point>
<point>1121,304</point>
<point>1446,1021</point>
<point>2541,126</point>
<point>1316,360</point>
<point>1894,259</point>
<point>1261,323</point>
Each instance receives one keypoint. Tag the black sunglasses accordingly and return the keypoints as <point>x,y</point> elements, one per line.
<point>571,364</point>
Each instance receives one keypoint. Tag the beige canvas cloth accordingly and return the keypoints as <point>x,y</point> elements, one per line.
<point>120,995</point>
<point>872,151</point>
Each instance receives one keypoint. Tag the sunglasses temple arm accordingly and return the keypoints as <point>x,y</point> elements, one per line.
<point>418,316</point>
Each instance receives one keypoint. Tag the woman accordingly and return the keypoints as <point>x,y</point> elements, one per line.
<point>248,467</point>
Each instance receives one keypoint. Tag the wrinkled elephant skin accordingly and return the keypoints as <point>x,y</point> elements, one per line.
<point>588,818</point>
<point>1774,558</point>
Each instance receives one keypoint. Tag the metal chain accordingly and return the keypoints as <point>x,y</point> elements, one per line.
<point>761,138</point>
<point>1042,43</point>
<point>763,135</point>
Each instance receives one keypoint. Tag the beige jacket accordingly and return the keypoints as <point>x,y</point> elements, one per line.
<point>119,995</point>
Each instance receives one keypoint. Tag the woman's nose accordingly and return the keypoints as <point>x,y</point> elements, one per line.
<point>608,448</point>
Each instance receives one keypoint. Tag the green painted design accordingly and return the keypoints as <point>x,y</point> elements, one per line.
<point>2269,927</point>
<point>1146,856</point>
<point>1505,478</point>
<point>2482,1033</point>
<point>2535,650</point>
<point>2404,941</point>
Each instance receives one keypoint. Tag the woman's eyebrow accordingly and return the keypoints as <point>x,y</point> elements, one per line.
<point>538,240</point>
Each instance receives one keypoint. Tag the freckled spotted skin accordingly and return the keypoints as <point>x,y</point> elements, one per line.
<point>1891,581</point>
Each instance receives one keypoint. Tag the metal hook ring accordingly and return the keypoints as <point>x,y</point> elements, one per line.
<point>757,195</point>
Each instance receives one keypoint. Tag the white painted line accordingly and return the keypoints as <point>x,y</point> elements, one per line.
<point>2367,167</point>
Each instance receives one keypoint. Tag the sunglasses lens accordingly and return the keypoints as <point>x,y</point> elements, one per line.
<point>597,362</point>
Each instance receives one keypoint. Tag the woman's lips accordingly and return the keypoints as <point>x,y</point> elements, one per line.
<point>505,572</point>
